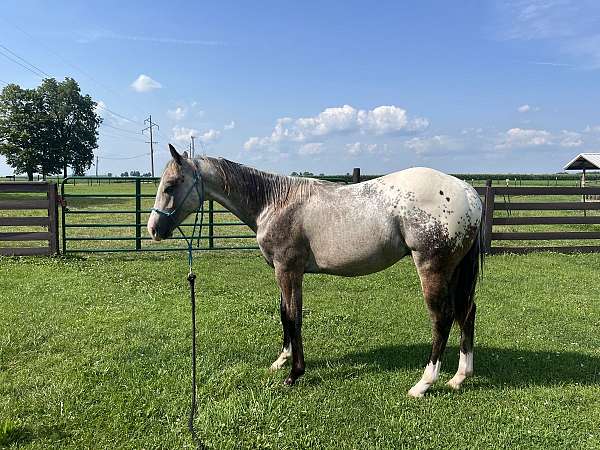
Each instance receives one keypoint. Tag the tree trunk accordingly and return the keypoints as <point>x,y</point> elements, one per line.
<point>65,171</point>
<point>30,175</point>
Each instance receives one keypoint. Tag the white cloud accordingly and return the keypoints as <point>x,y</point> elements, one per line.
<point>358,148</point>
<point>570,139</point>
<point>346,119</point>
<point>177,114</point>
<point>527,138</point>
<point>528,108</point>
<point>144,83</point>
<point>229,126</point>
<point>183,133</point>
<point>312,148</point>
<point>434,144</point>
<point>524,108</point>
<point>210,136</point>
<point>519,137</point>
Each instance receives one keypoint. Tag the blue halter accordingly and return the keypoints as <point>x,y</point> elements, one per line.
<point>199,186</point>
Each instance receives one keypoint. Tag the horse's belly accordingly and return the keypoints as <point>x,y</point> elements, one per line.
<point>351,253</point>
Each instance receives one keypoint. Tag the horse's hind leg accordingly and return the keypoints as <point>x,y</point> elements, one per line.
<point>286,349</point>
<point>465,361</point>
<point>437,292</point>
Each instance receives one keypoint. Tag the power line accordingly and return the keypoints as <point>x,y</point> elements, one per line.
<point>124,157</point>
<point>117,136</point>
<point>25,61</point>
<point>120,129</point>
<point>79,69</point>
<point>37,74</point>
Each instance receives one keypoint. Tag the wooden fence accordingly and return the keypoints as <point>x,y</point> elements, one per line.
<point>49,219</point>
<point>499,199</point>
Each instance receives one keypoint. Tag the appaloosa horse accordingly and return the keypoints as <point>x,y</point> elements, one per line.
<point>309,226</point>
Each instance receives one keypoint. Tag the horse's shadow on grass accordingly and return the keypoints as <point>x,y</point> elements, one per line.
<point>493,366</point>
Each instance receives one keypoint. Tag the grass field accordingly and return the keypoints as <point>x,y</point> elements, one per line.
<point>94,353</point>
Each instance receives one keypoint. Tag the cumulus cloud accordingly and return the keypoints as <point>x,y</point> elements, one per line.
<point>312,148</point>
<point>177,114</point>
<point>358,148</point>
<point>346,119</point>
<point>229,126</point>
<point>523,138</point>
<point>570,139</point>
<point>519,137</point>
<point>144,83</point>
<point>183,133</point>
<point>434,144</point>
<point>210,136</point>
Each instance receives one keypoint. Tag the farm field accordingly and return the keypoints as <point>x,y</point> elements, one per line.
<point>94,353</point>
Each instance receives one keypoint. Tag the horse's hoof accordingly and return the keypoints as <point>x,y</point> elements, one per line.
<point>453,384</point>
<point>289,381</point>
<point>415,393</point>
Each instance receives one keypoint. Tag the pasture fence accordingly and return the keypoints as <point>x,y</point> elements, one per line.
<point>568,207</point>
<point>26,198</point>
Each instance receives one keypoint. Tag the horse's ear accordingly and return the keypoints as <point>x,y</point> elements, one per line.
<point>176,156</point>
<point>185,155</point>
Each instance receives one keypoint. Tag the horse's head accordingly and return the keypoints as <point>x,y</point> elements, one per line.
<point>177,197</point>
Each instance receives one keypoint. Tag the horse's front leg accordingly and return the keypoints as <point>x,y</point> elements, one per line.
<point>286,349</point>
<point>290,283</point>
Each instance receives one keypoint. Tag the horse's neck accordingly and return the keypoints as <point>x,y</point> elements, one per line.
<point>239,207</point>
<point>247,193</point>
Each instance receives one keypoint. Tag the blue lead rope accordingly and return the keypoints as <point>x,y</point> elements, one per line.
<point>199,186</point>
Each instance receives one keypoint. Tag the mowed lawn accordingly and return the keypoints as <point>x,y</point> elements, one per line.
<point>94,353</point>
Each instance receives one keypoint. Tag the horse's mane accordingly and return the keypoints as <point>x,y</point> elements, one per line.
<point>262,187</point>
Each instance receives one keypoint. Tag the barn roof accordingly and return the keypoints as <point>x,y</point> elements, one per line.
<point>584,161</point>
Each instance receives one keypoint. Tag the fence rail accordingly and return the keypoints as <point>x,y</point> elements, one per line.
<point>49,220</point>
<point>499,199</point>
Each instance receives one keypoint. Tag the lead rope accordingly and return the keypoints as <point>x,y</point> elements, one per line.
<point>192,281</point>
<point>191,277</point>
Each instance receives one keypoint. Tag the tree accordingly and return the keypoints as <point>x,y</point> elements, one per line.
<point>134,173</point>
<point>125,174</point>
<point>49,128</point>
<point>74,123</point>
<point>19,115</point>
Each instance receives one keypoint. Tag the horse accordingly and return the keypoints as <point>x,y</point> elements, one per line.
<point>305,226</point>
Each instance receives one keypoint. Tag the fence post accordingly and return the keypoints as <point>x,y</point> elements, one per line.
<point>53,218</point>
<point>138,214</point>
<point>488,216</point>
<point>356,175</point>
<point>211,216</point>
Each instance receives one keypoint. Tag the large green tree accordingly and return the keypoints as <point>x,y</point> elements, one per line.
<point>19,115</point>
<point>48,129</point>
<point>74,123</point>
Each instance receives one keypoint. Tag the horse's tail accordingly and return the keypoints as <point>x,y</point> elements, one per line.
<point>468,272</point>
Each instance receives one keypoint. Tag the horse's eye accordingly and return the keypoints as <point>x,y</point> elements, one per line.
<point>169,190</point>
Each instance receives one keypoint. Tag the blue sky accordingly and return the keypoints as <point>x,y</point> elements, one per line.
<point>476,86</point>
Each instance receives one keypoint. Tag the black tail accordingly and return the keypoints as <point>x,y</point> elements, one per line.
<point>468,271</point>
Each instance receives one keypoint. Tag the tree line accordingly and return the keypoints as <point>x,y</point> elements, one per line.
<point>49,128</point>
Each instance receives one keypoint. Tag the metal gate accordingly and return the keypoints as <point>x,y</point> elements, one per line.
<point>109,214</point>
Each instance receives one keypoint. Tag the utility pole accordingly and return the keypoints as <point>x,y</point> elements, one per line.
<point>151,142</point>
<point>193,147</point>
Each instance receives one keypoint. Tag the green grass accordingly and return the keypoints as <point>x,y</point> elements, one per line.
<point>94,353</point>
